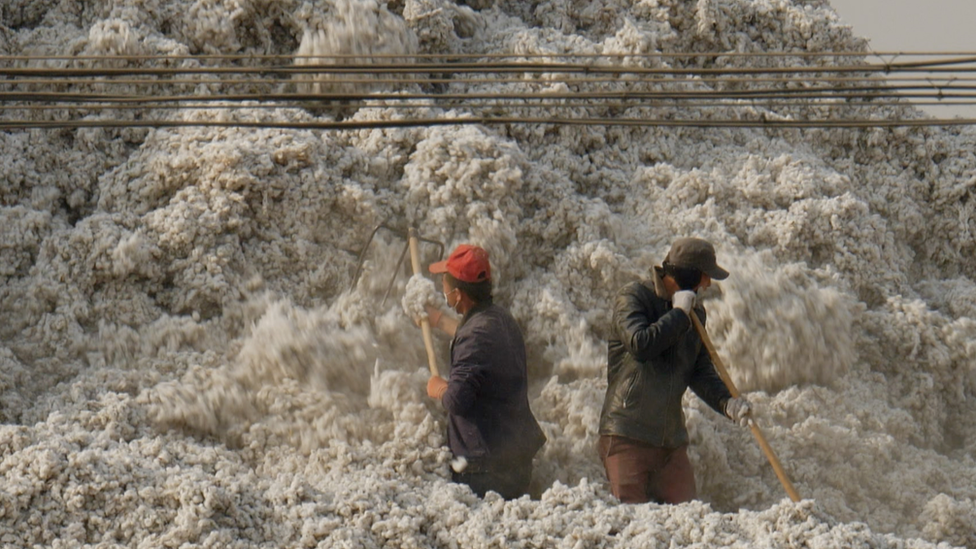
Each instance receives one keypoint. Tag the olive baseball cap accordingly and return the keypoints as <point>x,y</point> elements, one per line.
<point>695,253</point>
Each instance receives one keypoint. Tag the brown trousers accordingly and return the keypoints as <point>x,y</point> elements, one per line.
<point>639,472</point>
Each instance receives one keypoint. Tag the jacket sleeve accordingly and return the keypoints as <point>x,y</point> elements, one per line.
<point>705,381</point>
<point>468,374</point>
<point>641,334</point>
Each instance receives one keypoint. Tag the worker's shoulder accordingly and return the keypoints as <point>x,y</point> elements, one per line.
<point>486,316</point>
<point>643,289</point>
<point>495,314</point>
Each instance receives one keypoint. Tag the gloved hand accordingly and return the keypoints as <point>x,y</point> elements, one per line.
<point>459,464</point>
<point>436,387</point>
<point>739,410</point>
<point>684,300</point>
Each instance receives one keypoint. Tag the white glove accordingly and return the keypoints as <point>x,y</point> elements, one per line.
<point>684,300</point>
<point>459,464</point>
<point>739,410</point>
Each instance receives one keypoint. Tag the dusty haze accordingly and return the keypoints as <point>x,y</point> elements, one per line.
<point>185,359</point>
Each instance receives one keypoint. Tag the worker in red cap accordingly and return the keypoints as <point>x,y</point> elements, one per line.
<point>491,430</point>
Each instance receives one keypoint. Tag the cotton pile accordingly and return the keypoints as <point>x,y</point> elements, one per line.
<point>186,359</point>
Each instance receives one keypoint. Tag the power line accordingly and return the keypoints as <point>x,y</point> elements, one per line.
<point>367,104</point>
<point>457,121</point>
<point>793,94</point>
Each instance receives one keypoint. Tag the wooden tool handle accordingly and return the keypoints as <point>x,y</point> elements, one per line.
<point>756,432</point>
<point>424,321</point>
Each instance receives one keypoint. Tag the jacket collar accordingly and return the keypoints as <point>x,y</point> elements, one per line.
<point>474,310</point>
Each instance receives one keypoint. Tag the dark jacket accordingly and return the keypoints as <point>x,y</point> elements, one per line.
<point>489,420</point>
<point>653,355</point>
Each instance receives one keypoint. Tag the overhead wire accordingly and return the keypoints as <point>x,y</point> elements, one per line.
<point>600,84</point>
<point>460,121</point>
<point>446,80</point>
<point>367,104</point>
<point>476,68</point>
<point>497,55</point>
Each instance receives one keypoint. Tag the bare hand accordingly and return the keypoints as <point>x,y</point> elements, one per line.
<point>436,387</point>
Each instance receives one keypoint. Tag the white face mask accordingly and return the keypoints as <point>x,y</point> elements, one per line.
<point>447,298</point>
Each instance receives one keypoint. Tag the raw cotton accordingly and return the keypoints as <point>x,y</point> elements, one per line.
<point>186,358</point>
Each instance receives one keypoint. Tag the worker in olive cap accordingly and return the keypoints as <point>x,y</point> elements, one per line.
<point>491,430</point>
<point>654,355</point>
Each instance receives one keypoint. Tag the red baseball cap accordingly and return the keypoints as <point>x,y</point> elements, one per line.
<point>466,263</point>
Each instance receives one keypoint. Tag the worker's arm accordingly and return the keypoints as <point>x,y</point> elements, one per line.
<point>643,336</point>
<point>442,321</point>
<point>468,373</point>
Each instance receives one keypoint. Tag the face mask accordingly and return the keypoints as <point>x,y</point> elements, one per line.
<point>447,298</point>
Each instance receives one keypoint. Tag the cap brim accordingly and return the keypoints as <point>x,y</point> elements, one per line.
<point>717,273</point>
<point>438,268</point>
